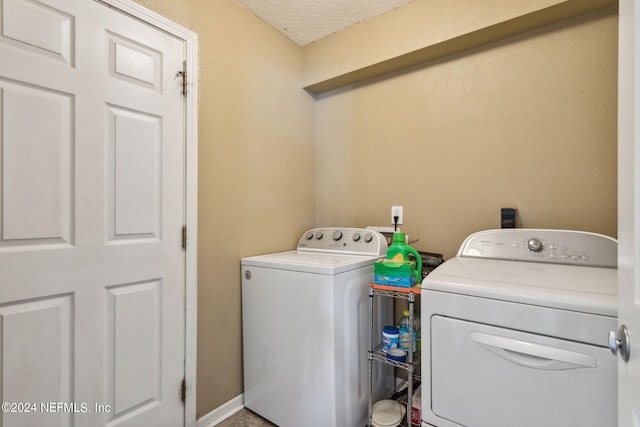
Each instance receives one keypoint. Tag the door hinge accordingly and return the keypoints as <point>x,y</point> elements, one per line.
<point>184,237</point>
<point>183,75</point>
<point>183,390</point>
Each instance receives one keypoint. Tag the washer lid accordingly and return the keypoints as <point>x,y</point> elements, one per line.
<point>310,262</point>
<point>567,287</point>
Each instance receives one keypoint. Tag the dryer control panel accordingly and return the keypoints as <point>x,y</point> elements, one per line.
<point>353,241</point>
<point>543,245</point>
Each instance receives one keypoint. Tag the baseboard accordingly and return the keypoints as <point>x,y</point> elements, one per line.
<point>222,412</point>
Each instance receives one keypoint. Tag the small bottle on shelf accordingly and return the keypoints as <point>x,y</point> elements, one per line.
<point>404,327</point>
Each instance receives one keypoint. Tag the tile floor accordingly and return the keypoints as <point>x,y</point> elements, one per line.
<point>245,418</point>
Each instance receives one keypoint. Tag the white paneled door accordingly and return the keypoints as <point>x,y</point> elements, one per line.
<point>629,213</point>
<point>92,205</point>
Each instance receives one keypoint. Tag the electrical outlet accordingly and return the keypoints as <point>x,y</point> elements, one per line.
<point>396,211</point>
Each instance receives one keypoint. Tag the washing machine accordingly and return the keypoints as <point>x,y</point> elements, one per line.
<point>517,327</point>
<point>305,330</point>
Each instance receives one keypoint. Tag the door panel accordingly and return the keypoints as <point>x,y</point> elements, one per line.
<point>38,27</point>
<point>92,204</point>
<point>36,164</point>
<point>134,62</point>
<point>135,169</point>
<point>628,208</point>
<point>47,322</point>
<point>135,342</point>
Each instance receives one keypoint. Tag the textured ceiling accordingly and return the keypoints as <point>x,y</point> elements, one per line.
<point>305,21</point>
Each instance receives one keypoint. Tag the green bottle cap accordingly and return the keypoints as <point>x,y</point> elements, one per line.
<point>399,238</point>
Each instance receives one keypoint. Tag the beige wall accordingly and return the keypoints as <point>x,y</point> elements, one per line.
<point>256,170</point>
<point>527,122</point>
<point>424,30</point>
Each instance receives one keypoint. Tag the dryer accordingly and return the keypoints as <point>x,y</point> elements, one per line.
<point>515,331</point>
<point>305,329</point>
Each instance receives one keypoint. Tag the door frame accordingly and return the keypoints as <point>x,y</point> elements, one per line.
<point>628,198</point>
<point>136,11</point>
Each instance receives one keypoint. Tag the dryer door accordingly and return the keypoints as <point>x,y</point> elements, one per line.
<point>489,376</point>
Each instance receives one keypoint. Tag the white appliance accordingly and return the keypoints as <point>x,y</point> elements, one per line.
<point>517,326</point>
<point>305,330</point>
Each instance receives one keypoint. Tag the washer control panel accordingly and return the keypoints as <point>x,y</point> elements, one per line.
<point>353,241</point>
<point>543,245</point>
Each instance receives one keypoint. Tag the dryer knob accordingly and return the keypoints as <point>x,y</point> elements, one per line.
<point>534,245</point>
<point>337,235</point>
<point>368,237</point>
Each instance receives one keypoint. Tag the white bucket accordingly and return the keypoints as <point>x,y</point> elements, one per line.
<point>387,413</point>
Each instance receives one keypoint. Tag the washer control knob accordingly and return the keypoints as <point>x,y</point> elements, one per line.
<point>319,235</point>
<point>309,235</point>
<point>356,237</point>
<point>534,245</point>
<point>337,235</point>
<point>368,237</point>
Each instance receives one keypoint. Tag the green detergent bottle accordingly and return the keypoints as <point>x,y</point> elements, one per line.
<point>399,246</point>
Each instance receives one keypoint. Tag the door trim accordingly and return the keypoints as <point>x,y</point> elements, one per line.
<point>191,191</point>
